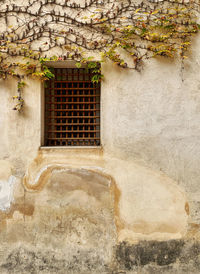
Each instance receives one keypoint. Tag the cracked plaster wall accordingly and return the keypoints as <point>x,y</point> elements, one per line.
<point>147,171</point>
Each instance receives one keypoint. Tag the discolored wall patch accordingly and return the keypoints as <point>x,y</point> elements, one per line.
<point>67,224</point>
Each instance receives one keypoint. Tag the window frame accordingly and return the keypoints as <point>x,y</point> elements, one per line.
<point>67,65</point>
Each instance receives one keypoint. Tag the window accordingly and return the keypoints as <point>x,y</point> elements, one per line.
<point>72,109</point>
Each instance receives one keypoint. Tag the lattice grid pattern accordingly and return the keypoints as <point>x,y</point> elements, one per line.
<point>72,109</point>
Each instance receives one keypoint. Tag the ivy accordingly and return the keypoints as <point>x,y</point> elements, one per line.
<point>109,29</point>
<point>19,100</point>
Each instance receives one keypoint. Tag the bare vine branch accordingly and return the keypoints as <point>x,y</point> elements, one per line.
<point>104,27</point>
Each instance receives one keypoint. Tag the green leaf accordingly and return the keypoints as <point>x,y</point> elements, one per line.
<point>92,65</point>
<point>78,65</point>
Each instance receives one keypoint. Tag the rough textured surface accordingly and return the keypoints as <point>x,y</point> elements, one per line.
<point>175,256</point>
<point>150,133</point>
<point>67,226</point>
<point>70,219</point>
<point>7,181</point>
<point>23,260</point>
<point>148,257</point>
<point>141,125</point>
<point>160,206</point>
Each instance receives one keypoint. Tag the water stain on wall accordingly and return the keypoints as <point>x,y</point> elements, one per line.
<point>68,216</point>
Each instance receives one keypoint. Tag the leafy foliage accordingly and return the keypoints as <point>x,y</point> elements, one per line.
<point>110,29</point>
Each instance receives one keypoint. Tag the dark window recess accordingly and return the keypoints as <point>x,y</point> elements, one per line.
<point>72,108</point>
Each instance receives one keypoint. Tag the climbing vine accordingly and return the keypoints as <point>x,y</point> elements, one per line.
<point>33,32</point>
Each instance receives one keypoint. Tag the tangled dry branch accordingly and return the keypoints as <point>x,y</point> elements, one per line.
<point>35,28</point>
<point>81,30</point>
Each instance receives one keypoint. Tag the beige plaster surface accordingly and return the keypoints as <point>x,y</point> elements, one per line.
<point>148,205</point>
<point>69,221</point>
<point>150,144</point>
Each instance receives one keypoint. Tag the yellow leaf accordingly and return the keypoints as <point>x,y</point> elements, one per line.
<point>155,11</point>
<point>137,10</point>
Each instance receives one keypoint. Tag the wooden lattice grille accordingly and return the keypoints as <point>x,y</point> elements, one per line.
<point>72,108</point>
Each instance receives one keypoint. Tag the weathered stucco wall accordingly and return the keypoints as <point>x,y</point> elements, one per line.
<point>90,210</point>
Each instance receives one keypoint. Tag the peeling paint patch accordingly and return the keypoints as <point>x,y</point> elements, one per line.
<point>60,168</point>
<point>39,174</point>
<point>6,193</point>
<point>46,171</point>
